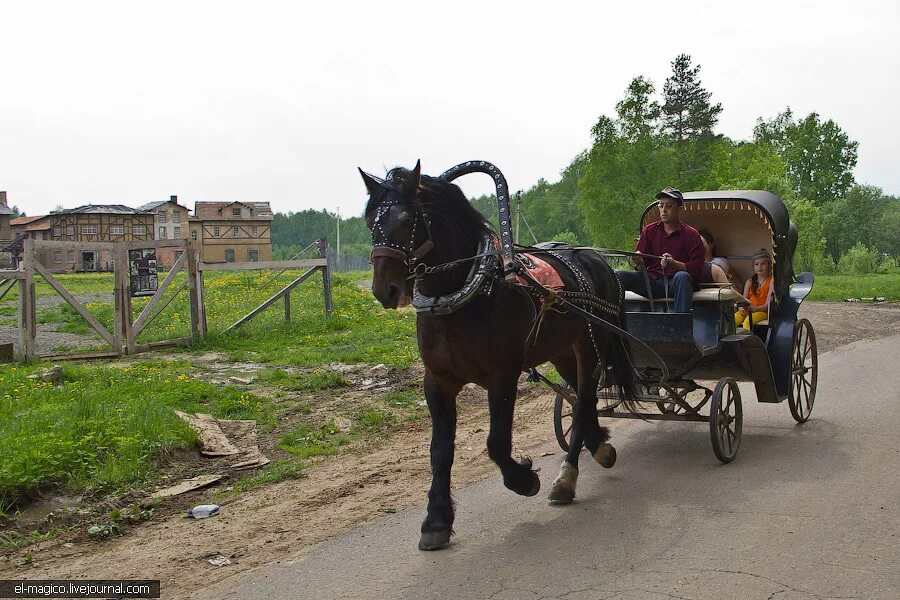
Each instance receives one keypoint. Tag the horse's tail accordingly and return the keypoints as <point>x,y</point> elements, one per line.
<point>619,361</point>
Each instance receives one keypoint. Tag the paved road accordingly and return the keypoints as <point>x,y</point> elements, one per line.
<point>807,511</point>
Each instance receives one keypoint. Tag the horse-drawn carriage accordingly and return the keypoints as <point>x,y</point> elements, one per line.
<point>675,350</point>
<point>483,317</point>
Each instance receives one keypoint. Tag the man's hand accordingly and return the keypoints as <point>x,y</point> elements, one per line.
<point>637,261</point>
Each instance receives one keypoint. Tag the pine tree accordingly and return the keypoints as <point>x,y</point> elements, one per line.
<point>687,112</point>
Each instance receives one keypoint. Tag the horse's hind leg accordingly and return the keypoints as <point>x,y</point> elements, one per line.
<point>584,425</point>
<point>517,476</point>
<point>438,525</point>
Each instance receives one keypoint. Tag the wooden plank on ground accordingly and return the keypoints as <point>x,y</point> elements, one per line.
<point>265,264</point>
<point>273,299</point>
<point>79,355</point>
<point>141,321</point>
<point>188,485</point>
<point>213,441</point>
<point>81,310</point>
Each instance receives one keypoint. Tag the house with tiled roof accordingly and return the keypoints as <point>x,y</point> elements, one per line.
<point>170,222</point>
<point>233,231</point>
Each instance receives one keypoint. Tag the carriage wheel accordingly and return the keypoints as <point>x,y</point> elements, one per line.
<point>563,417</point>
<point>804,371</point>
<point>725,418</point>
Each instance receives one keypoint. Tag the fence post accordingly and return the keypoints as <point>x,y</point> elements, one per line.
<point>326,275</point>
<point>119,301</point>
<point>193,289</point>
<point>27,313</point>
<point>122,257</point>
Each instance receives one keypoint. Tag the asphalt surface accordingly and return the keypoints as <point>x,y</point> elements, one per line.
<point>805,511</point>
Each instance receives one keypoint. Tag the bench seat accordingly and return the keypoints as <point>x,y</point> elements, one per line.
<point>711,294</point>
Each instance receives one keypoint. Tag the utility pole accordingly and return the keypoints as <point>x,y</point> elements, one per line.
<point>338,230</point>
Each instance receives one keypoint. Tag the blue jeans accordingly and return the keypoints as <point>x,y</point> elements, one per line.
<point>681,287</point>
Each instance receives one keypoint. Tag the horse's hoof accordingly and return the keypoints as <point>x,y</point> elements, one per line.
<point>535,485</point>
<point>561,495</point>
<point>434,540</point>
<point>605,455</point>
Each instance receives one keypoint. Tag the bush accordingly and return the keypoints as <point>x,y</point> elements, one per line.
<point>858,260</point>
<point>824,265</point>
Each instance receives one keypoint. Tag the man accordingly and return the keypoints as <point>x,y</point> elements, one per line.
<point>681,250</point>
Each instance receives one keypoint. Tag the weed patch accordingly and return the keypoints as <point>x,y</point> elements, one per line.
<point>307,441</point>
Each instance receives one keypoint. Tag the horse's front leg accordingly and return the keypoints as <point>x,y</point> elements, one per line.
<point>517,476</point>
<point>440,395</point>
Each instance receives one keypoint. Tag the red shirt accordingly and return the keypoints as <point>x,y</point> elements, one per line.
<point>684,244</point>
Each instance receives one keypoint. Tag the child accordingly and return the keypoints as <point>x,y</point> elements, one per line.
<point>756,291</point>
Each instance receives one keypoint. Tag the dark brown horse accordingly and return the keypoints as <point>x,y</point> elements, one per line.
<point>475,327</point>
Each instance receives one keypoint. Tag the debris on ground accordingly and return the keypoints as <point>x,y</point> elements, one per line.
<point>47,375</point>
<point>343,424</point>
<point>371,384</point>
<point>218,561</point>
<point>188,485</point>
<point>213,441</point>
<point>874,299</point>
<point>203,511</point>
<point>241,380</point>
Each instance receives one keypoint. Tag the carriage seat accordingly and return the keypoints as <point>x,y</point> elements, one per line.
<point>709,294</point>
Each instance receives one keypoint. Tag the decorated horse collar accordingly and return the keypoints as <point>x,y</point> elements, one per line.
<point>480,280</point>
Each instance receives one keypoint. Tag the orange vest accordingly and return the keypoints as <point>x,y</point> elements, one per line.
<point>762,293</point>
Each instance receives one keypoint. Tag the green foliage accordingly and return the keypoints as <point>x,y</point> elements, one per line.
<point>103,428</point>
<point>836,288</point>
<point>638,113</point>
<point>566,237</point>
<point>687,112</point>
<point>820,157</point>
<point>858,260</point>
<point>809,254</point>
<point>887,232</point>
<point>854,219</point>
<point>307,441</point>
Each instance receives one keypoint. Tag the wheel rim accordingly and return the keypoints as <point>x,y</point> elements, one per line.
<point>725,420</point>
<point>563,413</point>
<point>804,371</point>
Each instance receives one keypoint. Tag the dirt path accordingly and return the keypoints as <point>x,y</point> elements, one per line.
<point>269,524</point>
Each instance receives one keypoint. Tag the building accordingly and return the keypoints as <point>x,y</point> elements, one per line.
<point>233,231</point>
<point>5,217</point>
<point>96,223</point>
<point>34,228</point>
<point>170,222</point>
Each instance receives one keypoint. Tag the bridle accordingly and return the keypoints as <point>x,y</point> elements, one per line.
<point>411,255</point>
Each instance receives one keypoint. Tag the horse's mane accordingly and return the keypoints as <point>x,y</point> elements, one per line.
<point>441,200</point>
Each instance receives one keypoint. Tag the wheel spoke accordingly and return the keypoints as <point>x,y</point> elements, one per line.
<point>730,402</point>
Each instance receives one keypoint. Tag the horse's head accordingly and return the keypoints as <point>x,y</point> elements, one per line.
<point>400,234</point>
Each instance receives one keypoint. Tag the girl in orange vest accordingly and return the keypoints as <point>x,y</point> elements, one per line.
<point>756,291</point>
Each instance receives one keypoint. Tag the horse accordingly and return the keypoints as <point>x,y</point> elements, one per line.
<point>425,232</point>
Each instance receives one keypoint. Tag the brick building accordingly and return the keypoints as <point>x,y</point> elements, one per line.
<point>233,231</point>
<point>170,222</point>
<point>95,223</point>
<point>33,228</point>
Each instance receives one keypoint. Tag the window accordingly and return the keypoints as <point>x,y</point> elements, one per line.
<point>255,230</point>
<point>70,256</point>
<point>177,232</point>
<point>138,230</point>
<point>162,233</point>
<point>89,230</point>
<point>253,255</point>
<point>178,254</point>
<point>176,217</point>
<point>194,235</point>
<point>235,231</point>
<point>162,214</point>
<point>229,255</point>
<point>116,230</point>
<point>236,212</point>
<point>70,230</point>
<point>57,231</point>
<point>57,256</point>
<point>216,231</point>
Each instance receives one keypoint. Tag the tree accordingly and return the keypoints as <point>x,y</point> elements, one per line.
<point>687,112</point>
<point>887,233</point>
<point>850,220</point>
<point>819,157</point>
<point>638,112</point>
<point>16,213</point>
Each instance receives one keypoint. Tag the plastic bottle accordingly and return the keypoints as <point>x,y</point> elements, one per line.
<point>203,511</point>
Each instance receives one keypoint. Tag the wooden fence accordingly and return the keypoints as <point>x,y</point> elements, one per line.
<point>123,337</point>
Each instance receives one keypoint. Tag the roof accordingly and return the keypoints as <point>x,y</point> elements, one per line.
<point>100,209</point>
<point>25,220</point>
<point>154,205</point>
<point>213,211</point>
<point>38,223</point>
<point>5,210</point>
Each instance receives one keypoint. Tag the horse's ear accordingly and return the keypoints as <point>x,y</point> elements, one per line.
<point>411,184</point>
<point>373,186</point>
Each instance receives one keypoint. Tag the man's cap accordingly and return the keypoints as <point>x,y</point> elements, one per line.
<point>671,193</point>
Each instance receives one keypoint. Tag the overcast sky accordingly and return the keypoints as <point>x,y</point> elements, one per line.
<point>126,102</point>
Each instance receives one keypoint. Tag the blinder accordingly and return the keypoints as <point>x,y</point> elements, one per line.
<point>410,255</point>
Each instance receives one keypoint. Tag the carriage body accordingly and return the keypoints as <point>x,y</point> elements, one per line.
<point>703,346</point>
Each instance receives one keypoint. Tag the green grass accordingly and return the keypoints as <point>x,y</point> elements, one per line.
<point>307,441</point>
<point>318,379</point>
<point>103,429</point>
<point>834,288</point>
